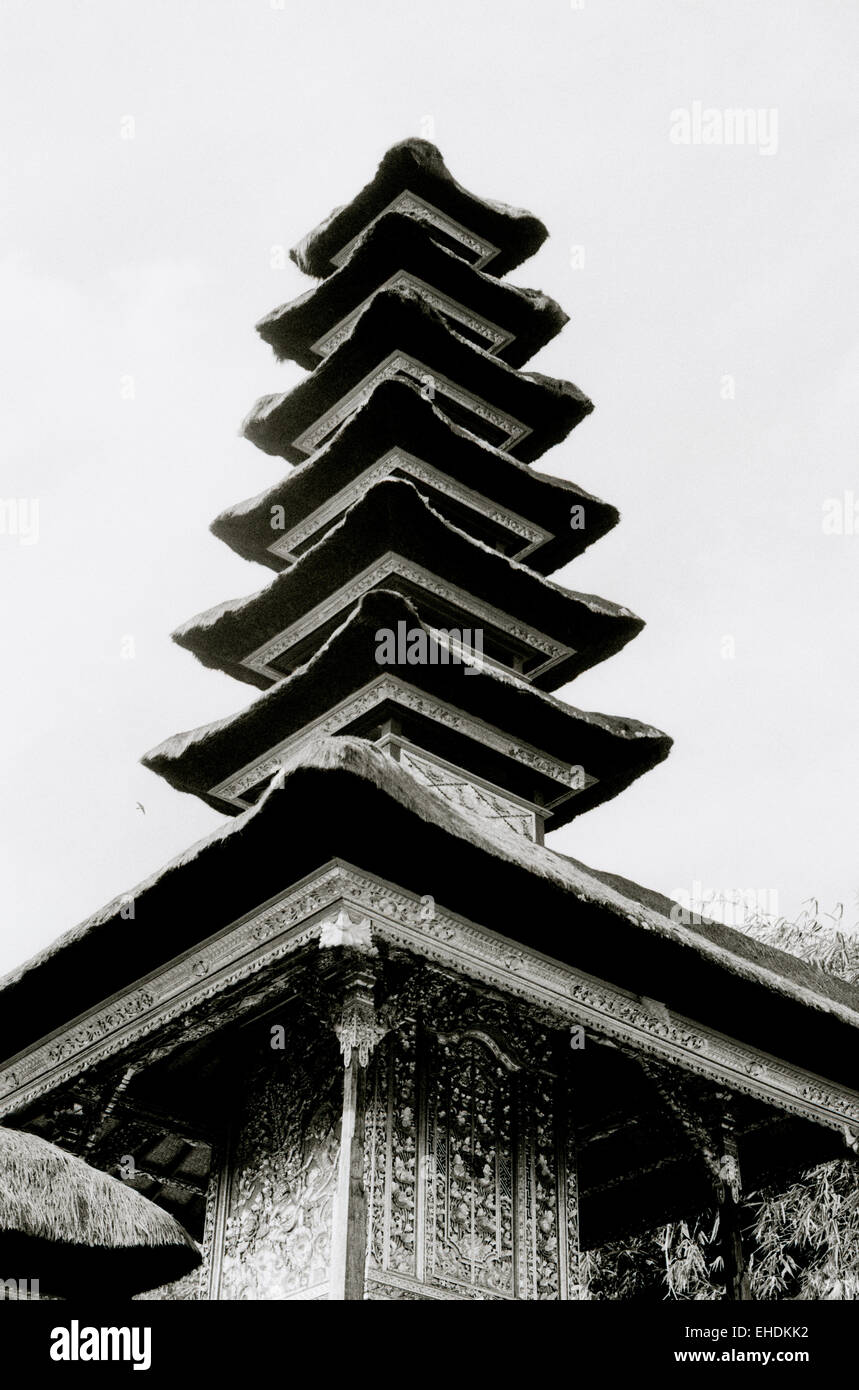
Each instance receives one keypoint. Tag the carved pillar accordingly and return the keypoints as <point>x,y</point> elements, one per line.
<point>217,1208</point>
<point>349,981</point>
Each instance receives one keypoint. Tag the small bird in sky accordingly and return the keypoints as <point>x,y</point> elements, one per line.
<point>141,807</point>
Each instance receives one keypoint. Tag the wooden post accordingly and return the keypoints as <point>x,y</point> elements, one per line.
<point>712,1136</point>
<point>728,1198</point>
<point>351,981</point>
<point>349,1221</point>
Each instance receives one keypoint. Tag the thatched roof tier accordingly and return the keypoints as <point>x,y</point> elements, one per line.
<point>399,335</point>
<point>71,1226</point>
<point>414,179</point>
<point>343,798</point>
<point>393,539</point>
<point>481,720</point>
<point>398,252</point>
<point>397,433</point>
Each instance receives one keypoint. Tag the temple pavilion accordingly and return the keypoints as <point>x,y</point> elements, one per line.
<point>374,1038</point>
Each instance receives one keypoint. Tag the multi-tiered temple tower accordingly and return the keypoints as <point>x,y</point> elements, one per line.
<point>412,512</point>
<point>373,1039</point>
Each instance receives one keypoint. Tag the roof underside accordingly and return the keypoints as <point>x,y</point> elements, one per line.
<point>612,750</point>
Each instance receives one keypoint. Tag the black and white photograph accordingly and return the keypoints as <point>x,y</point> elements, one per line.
<point>429,539</point>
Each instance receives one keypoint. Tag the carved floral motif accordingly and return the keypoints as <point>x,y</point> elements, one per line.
<point>284,1170</point>
<point>465,1162</point>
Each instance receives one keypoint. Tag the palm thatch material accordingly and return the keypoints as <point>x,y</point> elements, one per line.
<point>614,751</point>
<point>69,1225</point>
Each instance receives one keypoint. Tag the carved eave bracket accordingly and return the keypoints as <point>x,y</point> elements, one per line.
<point>348,985</point>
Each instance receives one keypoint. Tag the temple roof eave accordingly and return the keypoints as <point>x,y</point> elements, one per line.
<point>613,750</point>
<point>396,418</point>
<point>483,869</point>
<point>400,333</point>
<point>397,250</point>
<point>393,517</point>
<point>416,167</point>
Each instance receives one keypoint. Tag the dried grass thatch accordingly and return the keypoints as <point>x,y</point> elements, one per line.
<point>65,1223</point>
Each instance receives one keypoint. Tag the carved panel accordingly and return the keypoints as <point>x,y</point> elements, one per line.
<point>390,1172</point>
<point>468,797</point>
<point>284,1171</point>
<point>469,1165</point>
<point>470,1168</point>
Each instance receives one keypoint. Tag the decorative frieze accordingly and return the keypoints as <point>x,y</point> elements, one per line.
<point>467,1159</point>
<point>492,337</point>
<point>282,928</point>
<point>374,576</point>
<point>480,251</point>
<point>372,696</point>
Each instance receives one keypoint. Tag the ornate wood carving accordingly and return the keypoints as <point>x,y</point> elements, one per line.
<point>469,1168</point>
<point>280,929</point>
<point>277,1240</point>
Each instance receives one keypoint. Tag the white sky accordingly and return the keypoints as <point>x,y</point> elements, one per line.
<point>150,257</point>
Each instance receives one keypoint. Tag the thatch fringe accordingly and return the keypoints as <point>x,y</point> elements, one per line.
<point>52,1195</point>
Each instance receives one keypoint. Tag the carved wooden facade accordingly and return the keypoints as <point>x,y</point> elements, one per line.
<point>468,1159</point>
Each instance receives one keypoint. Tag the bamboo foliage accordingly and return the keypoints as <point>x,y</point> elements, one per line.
<point>803,1239</point>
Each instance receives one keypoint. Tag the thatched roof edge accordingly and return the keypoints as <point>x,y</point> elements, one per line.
<point>725,946</point>
<point>43,1189</point>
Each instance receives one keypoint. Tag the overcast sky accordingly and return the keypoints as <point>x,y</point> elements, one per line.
<point>154,154</point>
